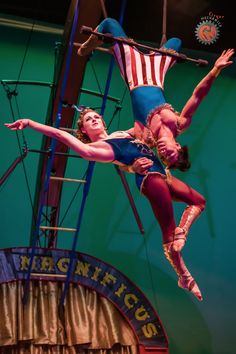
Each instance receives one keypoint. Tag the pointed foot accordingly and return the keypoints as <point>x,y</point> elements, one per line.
<point>188,283</point>
<point>87,47</point>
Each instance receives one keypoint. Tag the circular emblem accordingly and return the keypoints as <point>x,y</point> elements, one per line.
<point>207,32</point>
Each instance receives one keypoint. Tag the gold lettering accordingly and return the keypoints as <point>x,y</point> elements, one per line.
<point>149,330</point>
<point>120,290</point>
<point>96,273</point>
<point>127,299</point>
<point>62,264</point>
<point>82,269</point>
<point>47,264</point>
<point>24,262</point>
<point>107,279</point>
<point>141,314</point>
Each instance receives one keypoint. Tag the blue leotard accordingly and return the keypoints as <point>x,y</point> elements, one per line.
<point>127,150</point>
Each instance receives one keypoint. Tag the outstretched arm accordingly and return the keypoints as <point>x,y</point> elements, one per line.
<point>203,88</point>
<point>87,151</point>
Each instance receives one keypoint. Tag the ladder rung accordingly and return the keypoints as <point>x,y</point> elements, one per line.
<point>68,179</point>
<point>68,130</point>
<point>57,228</point>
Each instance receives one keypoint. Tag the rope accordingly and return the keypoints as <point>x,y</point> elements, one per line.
<point>164,18</point>
<point>103,8</point>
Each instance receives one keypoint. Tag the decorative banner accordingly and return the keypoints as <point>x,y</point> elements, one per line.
<point>52,264</point>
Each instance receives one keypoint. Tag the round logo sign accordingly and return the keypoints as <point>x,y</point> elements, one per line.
<point>207,32</point>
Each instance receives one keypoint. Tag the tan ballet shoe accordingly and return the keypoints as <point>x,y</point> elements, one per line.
<point>187,282</point>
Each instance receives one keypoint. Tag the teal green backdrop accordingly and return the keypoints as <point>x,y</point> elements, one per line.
<point>109,230</point>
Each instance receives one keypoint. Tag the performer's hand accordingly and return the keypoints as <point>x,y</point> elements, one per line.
<point>18,125</point>
<point>224,60</point>
<point>142,165</point>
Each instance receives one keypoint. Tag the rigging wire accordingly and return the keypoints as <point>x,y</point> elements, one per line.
<point>95,75</point>
<point>25,53</point>
<point>23,163</point>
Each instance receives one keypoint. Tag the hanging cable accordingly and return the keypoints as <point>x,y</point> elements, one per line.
<point>23,163</point>
<point>25,53</point>
<point>71,202</point>
<point>95,75</point>
<point>9,95</point>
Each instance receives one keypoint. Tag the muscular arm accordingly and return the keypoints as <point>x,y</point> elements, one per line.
<point>87,151</point>
<point>203,88</point>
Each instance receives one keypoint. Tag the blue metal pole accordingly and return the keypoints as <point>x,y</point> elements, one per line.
<point>50,161</point>
<point>89,177</point>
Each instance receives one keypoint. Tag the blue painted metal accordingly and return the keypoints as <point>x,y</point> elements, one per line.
<point>51,159</point>
<point>88,177</point>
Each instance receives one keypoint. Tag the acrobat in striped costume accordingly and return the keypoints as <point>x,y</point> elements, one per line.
<point>144,73</point>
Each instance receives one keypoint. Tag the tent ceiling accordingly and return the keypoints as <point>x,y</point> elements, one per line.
<point>143,20</point>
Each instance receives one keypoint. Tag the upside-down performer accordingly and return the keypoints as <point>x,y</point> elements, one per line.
<point>121,148</point>
<point>144,73</point>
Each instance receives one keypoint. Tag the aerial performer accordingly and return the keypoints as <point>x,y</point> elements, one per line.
<point>93,143</point>
<point>156,121</point>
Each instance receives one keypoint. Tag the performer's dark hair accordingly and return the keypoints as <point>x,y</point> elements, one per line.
<point>183,163</point>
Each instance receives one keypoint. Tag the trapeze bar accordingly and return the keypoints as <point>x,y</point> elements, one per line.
<point>94,93</point>
<point>28,82</point>
<point>111,39</point>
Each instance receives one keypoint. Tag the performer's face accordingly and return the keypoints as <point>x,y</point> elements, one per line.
<point>92,123</point>
<point>168,150</point>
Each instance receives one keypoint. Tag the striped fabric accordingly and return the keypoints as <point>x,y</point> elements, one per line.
<point>139,69</point>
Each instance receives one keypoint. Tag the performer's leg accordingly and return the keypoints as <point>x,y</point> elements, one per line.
<point>173,43</point>
<point>157,191</point>
<point>108,25</point>
<point>196,204</point>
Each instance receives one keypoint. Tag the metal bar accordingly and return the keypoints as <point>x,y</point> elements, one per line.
<point>48,152</point>
<point>94,93</point>
<point>50,84</point>
<point>87,185</point>
<point>50,162</point>
<point>164,18</point>
<point>11,168</point>
<point>112,39</point>
<point>67,179</point>
<point>103,8</point>
<point>131,200</point>
<point>73,250</point>
<point>57,228</point>
<point>27,82</point>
